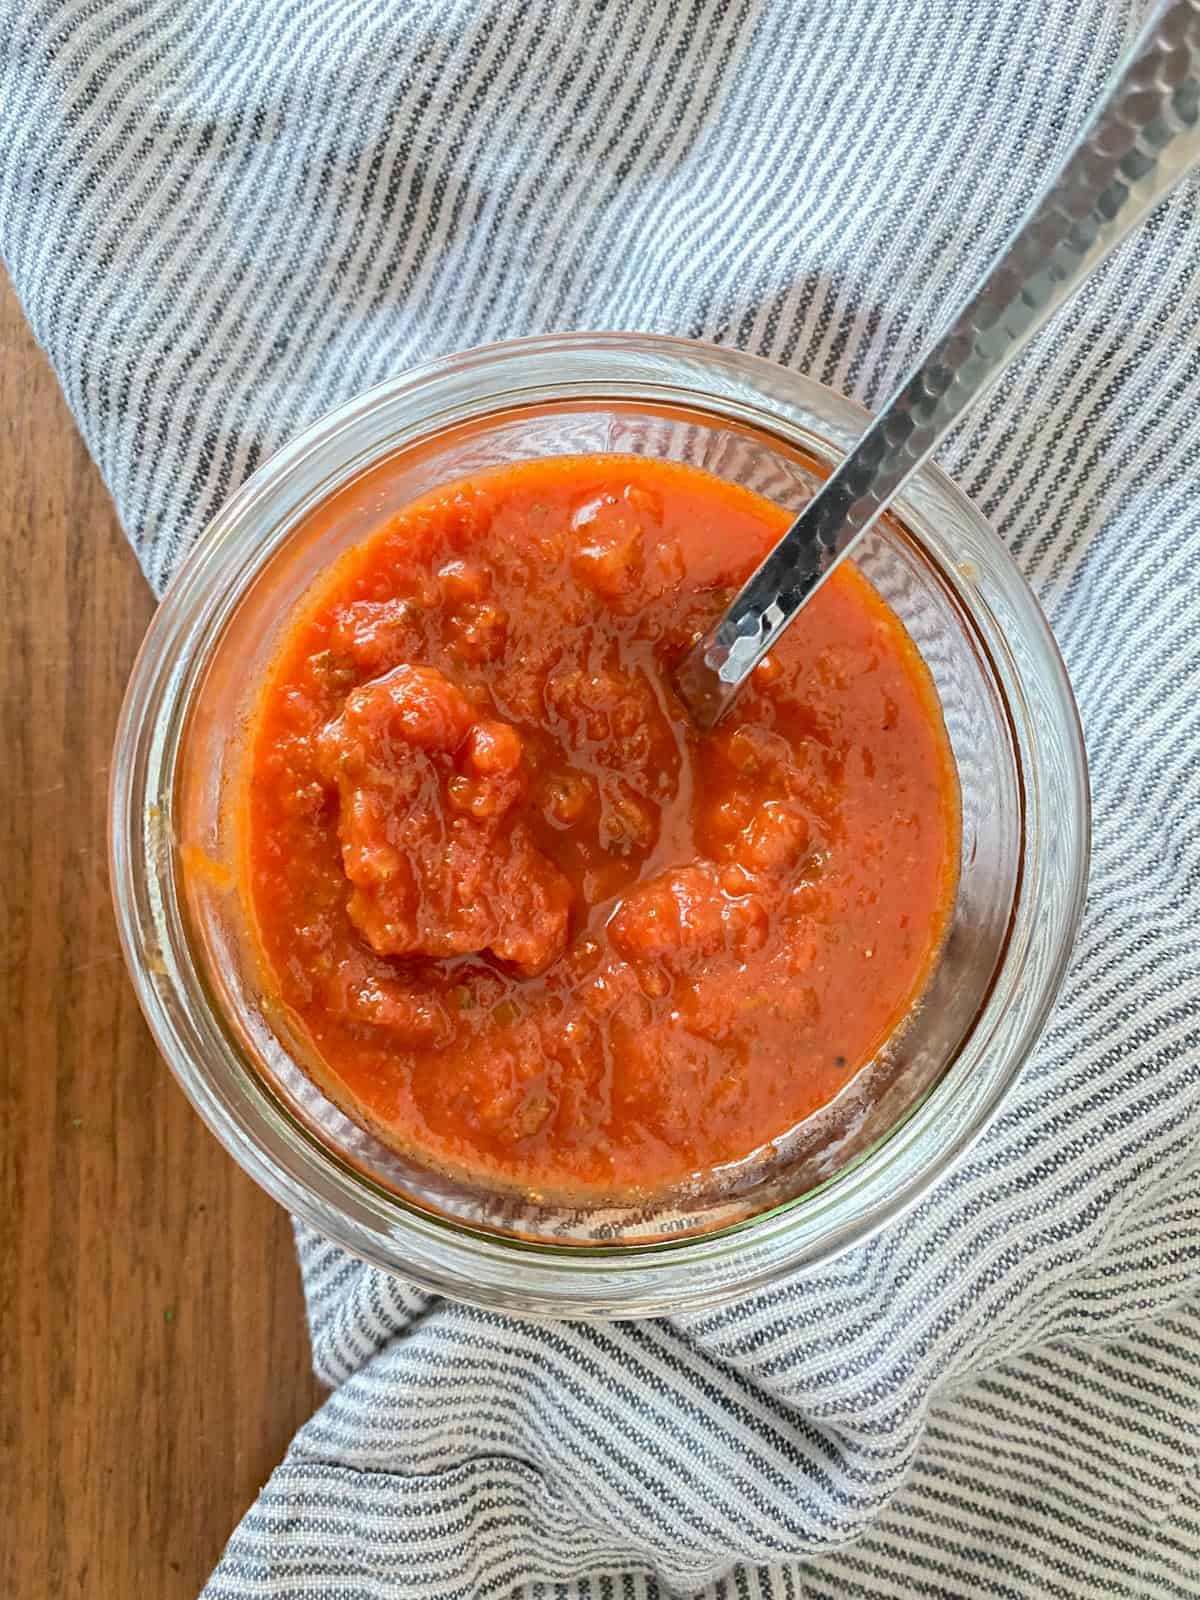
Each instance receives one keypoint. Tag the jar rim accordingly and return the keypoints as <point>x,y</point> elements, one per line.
<point>343,1202</point>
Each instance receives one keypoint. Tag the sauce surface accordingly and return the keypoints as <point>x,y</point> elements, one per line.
<point>536,927</point>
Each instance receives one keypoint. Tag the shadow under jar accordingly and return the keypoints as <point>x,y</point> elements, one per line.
<point>176,851</point>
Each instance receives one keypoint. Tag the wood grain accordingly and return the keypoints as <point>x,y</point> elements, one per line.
<point>153,1357</point>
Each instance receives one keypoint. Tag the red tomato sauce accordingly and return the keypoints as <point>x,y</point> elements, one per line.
<point>536,927</point>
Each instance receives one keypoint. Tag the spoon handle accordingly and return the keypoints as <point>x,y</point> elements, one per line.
<point>1142,137</point>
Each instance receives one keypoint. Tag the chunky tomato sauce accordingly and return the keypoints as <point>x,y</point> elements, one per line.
<point>535,926</point>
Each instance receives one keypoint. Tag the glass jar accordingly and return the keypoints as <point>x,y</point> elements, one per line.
<point>908,1116</point>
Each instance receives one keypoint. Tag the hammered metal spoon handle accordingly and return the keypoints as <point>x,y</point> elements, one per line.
<point>1142,137</point>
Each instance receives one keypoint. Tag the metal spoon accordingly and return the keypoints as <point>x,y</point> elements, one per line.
<point>1140,140</point>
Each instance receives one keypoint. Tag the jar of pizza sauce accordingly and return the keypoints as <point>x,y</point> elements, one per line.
<point>480,957</point>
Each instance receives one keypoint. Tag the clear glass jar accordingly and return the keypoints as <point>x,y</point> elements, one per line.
<point>909,1115</point>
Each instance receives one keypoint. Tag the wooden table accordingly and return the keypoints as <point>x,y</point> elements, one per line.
<point>153,1355</point>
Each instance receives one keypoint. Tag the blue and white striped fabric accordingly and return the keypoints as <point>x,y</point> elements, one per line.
<point>222,217</point>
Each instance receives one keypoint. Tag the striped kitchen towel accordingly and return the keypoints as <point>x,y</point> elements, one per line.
<point>224,216</point>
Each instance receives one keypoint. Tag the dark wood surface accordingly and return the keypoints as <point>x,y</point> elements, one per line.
<point>153,1356</point>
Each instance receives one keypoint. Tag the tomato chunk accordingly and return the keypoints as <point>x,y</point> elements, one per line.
<point>457,877</point>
